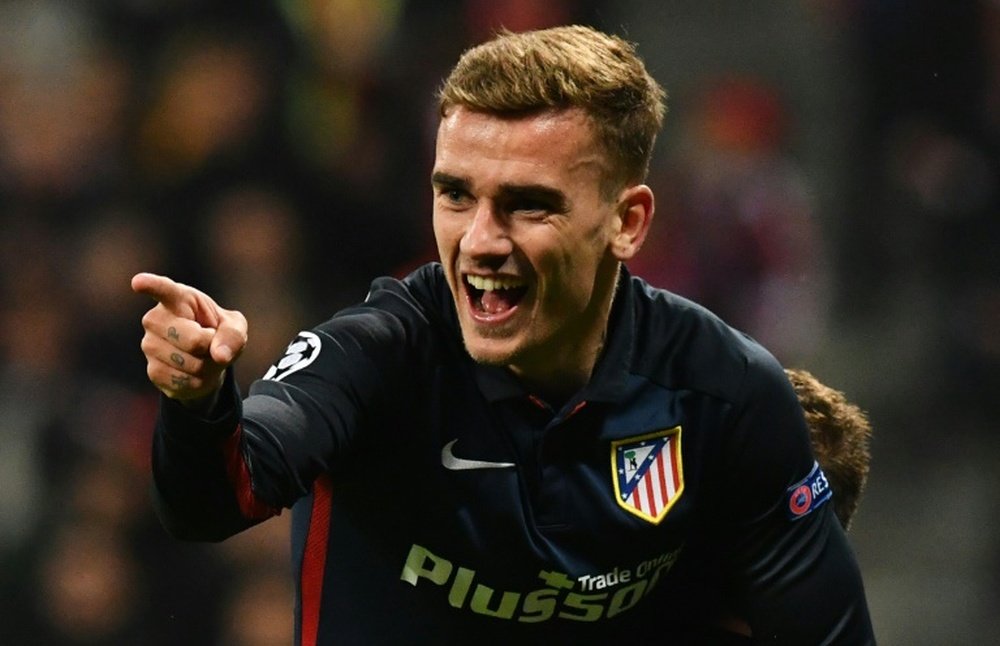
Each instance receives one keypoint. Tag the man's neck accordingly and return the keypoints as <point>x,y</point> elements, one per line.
<point>556,380</point>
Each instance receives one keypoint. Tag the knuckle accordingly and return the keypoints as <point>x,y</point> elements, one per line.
<point>194,367</point>
<point>199,347</point>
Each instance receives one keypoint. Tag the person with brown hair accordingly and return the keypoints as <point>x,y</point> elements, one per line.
<point>521,443</point>
<point>841,436</point>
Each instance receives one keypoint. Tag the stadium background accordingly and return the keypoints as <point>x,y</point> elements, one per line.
<point>827,180</point>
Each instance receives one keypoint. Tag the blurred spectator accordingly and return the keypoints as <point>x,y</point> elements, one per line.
<point>738,230</point>
<point>80,576</point>
<point>113,243</point>
<point>32,376</point>
<point>484,17</point>
<point>254,249</point>
<point>259,610</point>
<point>253,236</point>
<point>37,350</point>
<point>939,203</point>
<point>207,104</point>
<point>87,589</point>
<point>63,93</point>
<point>353,122</point>
<point>259,607</point>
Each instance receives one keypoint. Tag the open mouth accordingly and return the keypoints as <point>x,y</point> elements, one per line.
<point>493,296</point>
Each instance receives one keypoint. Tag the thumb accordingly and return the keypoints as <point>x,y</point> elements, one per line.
<point>230,337</point>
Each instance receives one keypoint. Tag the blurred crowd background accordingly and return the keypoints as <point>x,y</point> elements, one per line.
<point>827,180</point>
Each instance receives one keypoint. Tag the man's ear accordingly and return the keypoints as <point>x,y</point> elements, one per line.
<point>635,214</point>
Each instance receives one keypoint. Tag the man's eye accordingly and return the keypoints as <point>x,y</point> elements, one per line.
<point>456,195</point>
<point>528,206</point>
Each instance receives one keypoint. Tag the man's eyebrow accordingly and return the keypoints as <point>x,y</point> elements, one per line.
<point>449,181</point>
<point>554,197</point>
<point>541,192</point>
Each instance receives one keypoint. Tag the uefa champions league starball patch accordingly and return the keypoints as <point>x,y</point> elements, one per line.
<point>299,354</point>
<point>647,472</point>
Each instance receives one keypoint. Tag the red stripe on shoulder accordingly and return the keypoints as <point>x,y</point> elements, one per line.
<point>314,559</point>
<point>238,473</point>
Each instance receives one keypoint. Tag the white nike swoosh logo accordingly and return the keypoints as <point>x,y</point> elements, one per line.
<point>454,463</point>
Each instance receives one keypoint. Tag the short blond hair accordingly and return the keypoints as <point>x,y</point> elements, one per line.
<point>840,434</point>
<point>567,67</point>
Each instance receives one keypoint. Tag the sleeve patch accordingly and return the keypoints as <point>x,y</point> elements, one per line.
<point>299,354</point>
<point>808,494</point>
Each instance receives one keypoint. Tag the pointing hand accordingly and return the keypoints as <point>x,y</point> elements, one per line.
<point>189,340</point>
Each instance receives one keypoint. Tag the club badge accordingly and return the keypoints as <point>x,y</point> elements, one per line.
<point>647,472</point>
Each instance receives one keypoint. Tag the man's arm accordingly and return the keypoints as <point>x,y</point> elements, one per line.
<point>201,486</point>
<point>222,462</point>
<point>189,344</point>
<point>839,432</point>
<point>795,577</point>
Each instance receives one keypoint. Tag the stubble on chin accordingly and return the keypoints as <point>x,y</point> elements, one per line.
<point>488,357</point>
<point>484,351</point>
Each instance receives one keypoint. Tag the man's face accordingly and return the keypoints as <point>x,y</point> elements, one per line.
<point>525,236</point>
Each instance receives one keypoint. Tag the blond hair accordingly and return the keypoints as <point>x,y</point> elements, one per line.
<point>567,67</point>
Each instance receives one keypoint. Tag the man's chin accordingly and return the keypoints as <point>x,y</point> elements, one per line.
<point>490,352</point>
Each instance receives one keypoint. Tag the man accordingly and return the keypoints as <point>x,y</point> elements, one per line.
<point>522,442</point>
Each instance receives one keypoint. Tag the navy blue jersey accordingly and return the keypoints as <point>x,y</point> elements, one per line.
<point>437,501</point>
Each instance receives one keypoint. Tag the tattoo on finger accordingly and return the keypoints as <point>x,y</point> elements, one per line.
<point>172,333</point>
<point>177,358</point>
<point>180,381</point>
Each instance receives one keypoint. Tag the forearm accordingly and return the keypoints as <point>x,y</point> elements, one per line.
<point>193,492</point>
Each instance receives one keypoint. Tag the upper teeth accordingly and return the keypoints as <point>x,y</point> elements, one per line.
<point>490,284</point>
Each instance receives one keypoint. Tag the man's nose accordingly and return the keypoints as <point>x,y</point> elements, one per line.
<point>487,234</point>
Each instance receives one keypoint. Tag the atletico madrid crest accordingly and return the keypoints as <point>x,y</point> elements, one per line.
<point>648,475</point>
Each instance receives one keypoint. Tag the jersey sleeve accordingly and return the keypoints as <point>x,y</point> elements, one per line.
<point>795,579</point>
<point>192,492</point>
<point>216,475</point>
<point>318,409</point>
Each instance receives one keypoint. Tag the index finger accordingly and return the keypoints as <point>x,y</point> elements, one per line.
<point>160,288</point>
